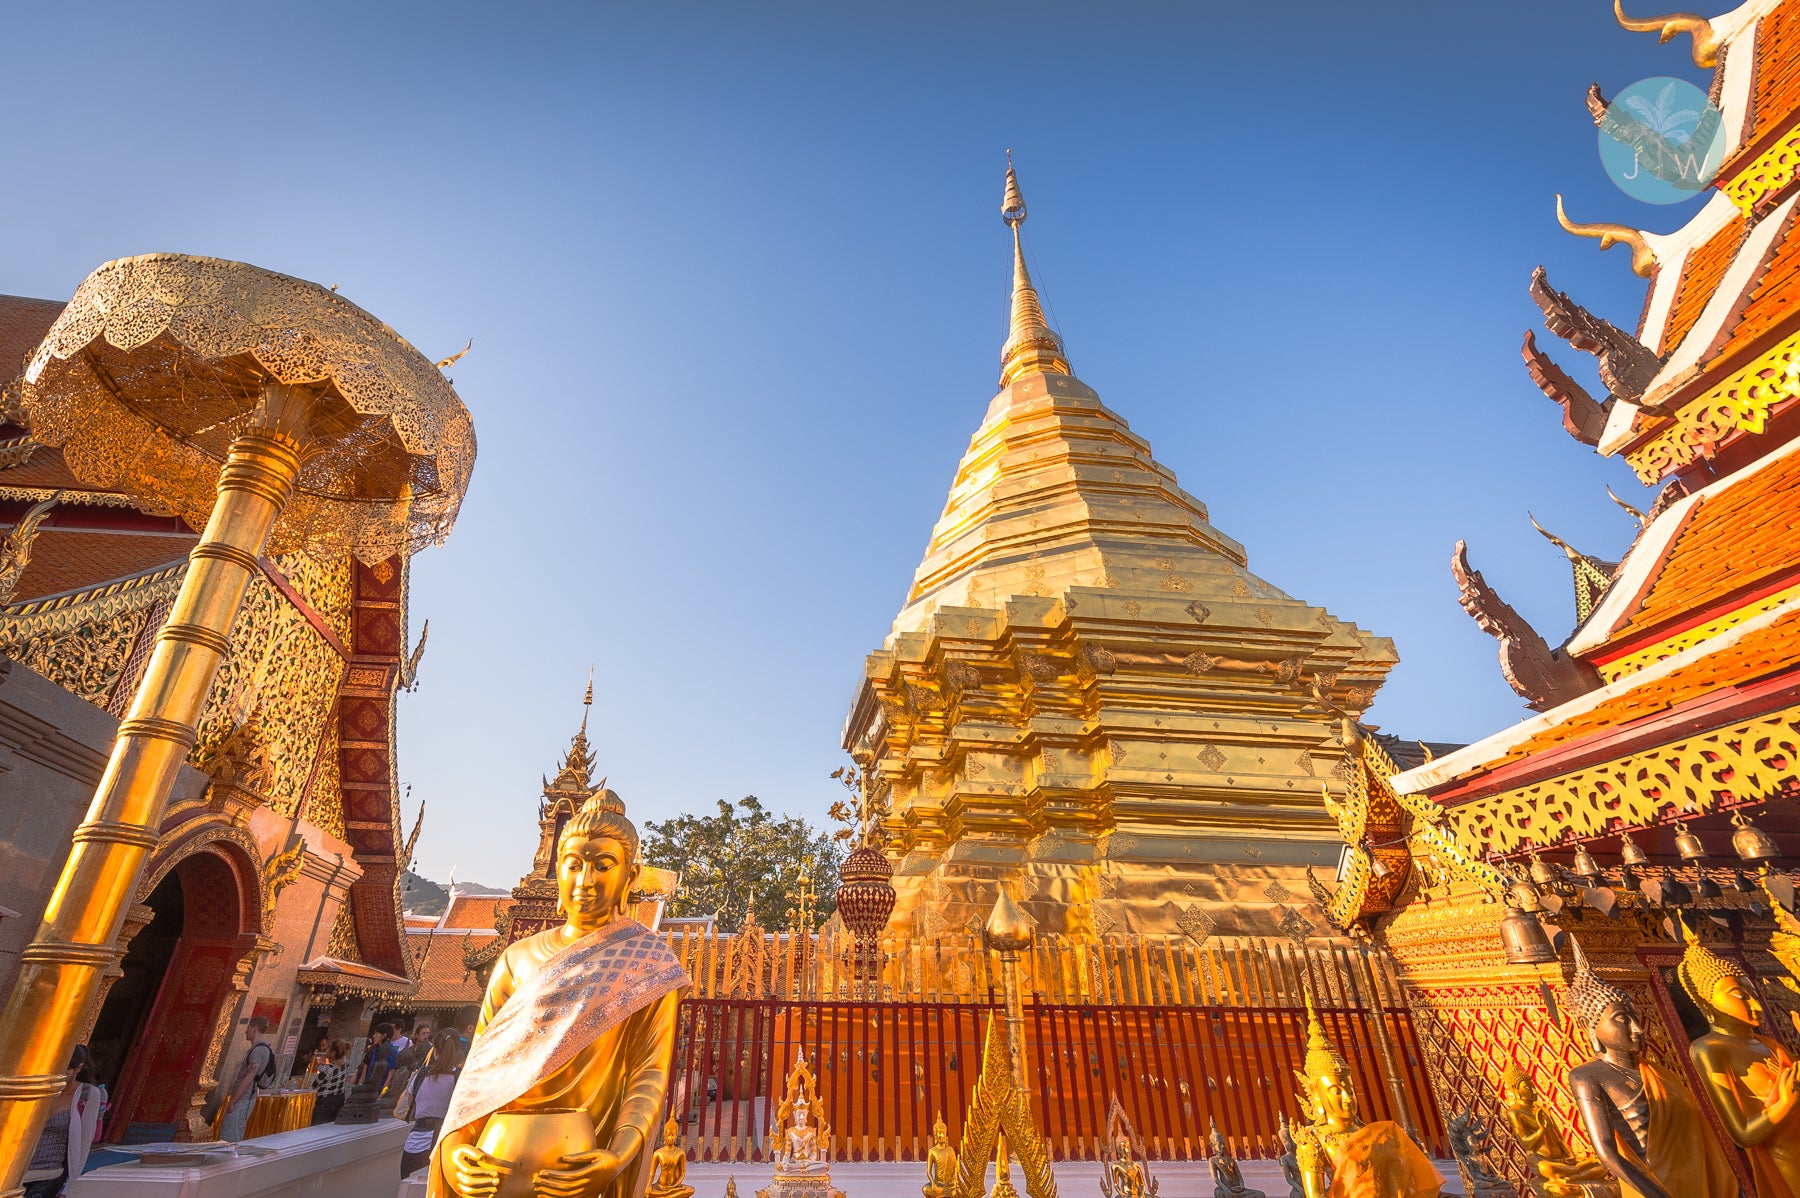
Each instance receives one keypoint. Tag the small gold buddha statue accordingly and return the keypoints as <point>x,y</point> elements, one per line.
<point>940,1163</point>
<point>668,1168</point>
<point>569,1065</point>
<point>1752,1080</point>
<point>1339,1155</point>
<point>801,1150</point>
<point>1560,1172</point>
<point>1644,1125</point>
<point>1129,1179</point>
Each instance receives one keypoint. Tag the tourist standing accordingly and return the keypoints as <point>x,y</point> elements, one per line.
<point>431,1090</point>
<point>62,1148</point>
<point>256,1072</point>
<point>331,1080</point>
<point>378,1058</point>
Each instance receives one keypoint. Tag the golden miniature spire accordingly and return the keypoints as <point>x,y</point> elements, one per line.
<point>1322,1057</point>
<point>1643,259</point>
<point>1706,42</point>
<point>1031,346</point>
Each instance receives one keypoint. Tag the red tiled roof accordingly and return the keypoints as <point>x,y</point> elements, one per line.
<point>1775,293</point>
<point>23,323</point>
<point>443,979</point>
<point>1730,542</point>
<point>1700,275</point>
<point>1777,86</point>
<point>476,911</point>
<point>329,971</point>
<point>75,560</point>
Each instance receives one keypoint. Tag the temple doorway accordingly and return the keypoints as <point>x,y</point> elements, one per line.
<point>152,1033</point>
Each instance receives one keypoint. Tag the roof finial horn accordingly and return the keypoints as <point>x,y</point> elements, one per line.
<point>1031,346</point>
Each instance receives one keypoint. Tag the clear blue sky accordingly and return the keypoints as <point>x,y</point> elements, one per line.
<point>737,283</point>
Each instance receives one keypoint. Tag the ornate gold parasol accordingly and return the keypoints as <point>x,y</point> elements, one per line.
<point>274,414</point>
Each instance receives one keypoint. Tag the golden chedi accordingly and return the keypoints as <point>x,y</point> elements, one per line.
<point>1752,1080</point>
<point>668,1168</point>
<point>940,1163</point>
<point>1645,1127</point>
<point>570,1062</point>
<point>1559,1172</point>
<point>1339,1155</point>
<point>1089,693</point>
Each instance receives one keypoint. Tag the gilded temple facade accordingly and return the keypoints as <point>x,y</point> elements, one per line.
<point>1088,693</point>
<point>1655,784</point>
<point>273,888</point>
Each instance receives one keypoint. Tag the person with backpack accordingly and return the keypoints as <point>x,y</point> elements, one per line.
<point>255,1073</point>
<point>428,1100</point>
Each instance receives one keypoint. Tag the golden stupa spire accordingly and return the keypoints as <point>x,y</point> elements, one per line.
<point>1031,346</point>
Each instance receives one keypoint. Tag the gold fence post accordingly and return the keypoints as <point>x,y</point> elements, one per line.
<point>1389,1064</point>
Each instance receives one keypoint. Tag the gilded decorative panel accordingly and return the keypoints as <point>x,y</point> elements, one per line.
<point>1741,401</point>
<point>1773,170</point>
<point>1725,766</point>
<point>281,669</point>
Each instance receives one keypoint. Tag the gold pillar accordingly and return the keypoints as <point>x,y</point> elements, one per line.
<point>61,968</point>
<point>1390,1065</point>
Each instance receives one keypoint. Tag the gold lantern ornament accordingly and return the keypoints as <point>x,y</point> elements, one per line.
<point>273,414</point>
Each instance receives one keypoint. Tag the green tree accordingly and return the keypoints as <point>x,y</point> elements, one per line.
<point>742,858</point>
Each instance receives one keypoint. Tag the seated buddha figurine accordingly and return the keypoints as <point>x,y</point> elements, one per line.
<point>668,1168</point>
<point>1560,1173</point>
<point>1752,1080</point>
<point>1228,1178</point>
<point>1339,1155</point>
<point>800,1152</point>
<point>940,1163</point>
<point>1127,1174</point>
<point>570,1061</point>
<point>1644,1125</point>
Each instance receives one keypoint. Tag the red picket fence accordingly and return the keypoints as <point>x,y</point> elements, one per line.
<point>886,1070</point>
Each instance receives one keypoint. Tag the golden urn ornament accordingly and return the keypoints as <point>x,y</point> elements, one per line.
<point>1339,1155</point>
<point>570,1062</point>
<point>1751,1079</point>
<point>274,415</point>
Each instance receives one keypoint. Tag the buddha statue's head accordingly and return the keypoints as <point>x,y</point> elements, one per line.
<point>1520,1091</point>
<point>1721,990</point>
<point>1603,1010</point>
<point>596,861</point>
<point>1122,1149</point>
<point>671,1133</point>
<point>1325,1086</point>
<point>940,1135</point>
<point>800,1112</point>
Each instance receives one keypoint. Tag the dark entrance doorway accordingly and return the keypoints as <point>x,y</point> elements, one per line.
<point>153,1031</point>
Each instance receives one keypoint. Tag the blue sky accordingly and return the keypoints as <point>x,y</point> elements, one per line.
<point>737,283</point>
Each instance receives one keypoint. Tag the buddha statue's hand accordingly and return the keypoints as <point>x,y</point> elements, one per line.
<point>473,1173</point>
<point>1787,1093</point>
<point>583,1175</point>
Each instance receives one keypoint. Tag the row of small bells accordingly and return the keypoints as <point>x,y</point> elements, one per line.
<point>1523,934</point>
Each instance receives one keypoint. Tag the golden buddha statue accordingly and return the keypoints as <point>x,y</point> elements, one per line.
<point>940,1163</point>
<point>668,1168</point>
<point>1753,1081</point>
<point>800,1141</point>
<point>1129,1179</point>
<point>570,1061</point>
<point>1559,1172</point>
<point>1644,1125</point>
<point>1339,1155</point>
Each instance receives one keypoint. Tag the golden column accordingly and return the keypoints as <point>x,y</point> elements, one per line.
<point>276,415</point>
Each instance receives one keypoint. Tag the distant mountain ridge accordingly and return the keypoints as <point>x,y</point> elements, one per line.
<point>421,896</point>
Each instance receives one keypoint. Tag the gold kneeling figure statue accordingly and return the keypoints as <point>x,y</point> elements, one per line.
<point>940,1163</point>
<point>569,1066</point>
<point>1339,1155</point>
<point>1752,1080</point>
<point>668,1168</point>
<point>1560,1173</point>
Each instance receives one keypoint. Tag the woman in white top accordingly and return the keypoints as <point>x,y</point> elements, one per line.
<point>431,1088</point>
<point>62,1148</point>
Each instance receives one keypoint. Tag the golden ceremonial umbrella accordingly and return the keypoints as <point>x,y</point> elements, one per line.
<point>275,415</point>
